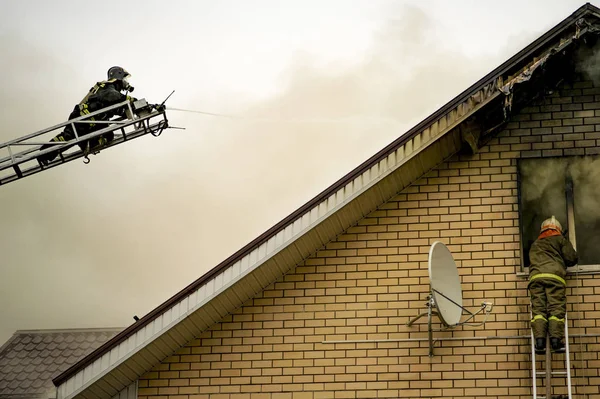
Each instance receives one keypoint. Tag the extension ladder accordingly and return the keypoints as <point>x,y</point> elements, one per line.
<point>548,373</point>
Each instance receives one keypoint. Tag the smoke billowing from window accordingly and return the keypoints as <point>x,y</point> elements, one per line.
<point>542,195</point>
<point>585,173</point>
<point>544,185</point>
<point>588,64</point>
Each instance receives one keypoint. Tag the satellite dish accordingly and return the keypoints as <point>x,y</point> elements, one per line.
<point>446,294</point>
<point>445,284</point>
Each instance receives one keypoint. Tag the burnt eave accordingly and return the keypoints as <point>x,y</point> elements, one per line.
<point>505,70</point>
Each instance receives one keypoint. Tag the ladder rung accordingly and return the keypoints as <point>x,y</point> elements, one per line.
<point>543,373</point>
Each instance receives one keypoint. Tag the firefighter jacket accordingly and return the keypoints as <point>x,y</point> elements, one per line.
<point>550,256</point>
<point>102,95</point>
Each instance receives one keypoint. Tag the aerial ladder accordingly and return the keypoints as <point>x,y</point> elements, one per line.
<point>19,157</point>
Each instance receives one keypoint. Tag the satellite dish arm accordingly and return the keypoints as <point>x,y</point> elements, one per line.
<point>428,313</point>
<point>484,306</point>
<point>487,306</point>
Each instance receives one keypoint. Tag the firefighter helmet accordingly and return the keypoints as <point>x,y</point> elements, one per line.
<point>551,224</point>
<point>118,73</point>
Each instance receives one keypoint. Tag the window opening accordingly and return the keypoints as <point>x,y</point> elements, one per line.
<point>568,188</point>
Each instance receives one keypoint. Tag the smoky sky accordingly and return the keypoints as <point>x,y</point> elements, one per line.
<point>92,245</point>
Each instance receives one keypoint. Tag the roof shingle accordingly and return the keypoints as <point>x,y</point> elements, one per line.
<point>30,359</point>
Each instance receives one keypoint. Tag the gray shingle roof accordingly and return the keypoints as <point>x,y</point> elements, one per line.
<point>30,359</point>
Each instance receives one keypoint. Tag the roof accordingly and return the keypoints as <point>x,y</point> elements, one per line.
<point>30,359</point>
<point>245,273</point>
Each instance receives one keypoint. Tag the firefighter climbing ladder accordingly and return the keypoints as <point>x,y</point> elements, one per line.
<point>548,373</point>
<point>142,119</point>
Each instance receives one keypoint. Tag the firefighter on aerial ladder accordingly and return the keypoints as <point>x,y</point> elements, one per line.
<point>550,255</point>
<point>104,94</point>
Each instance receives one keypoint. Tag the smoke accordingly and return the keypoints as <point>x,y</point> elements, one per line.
<point>544,184</point>
<point>89,246</point>
<point>402,78</point>
<point>585,173</point>
<point>588,64</point>
<point>542,195</point>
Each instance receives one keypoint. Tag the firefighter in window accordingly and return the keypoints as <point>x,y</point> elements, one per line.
<point>104,94</point>
<point>550,255</point>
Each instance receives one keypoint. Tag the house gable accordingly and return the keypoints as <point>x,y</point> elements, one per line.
<point>468,121</point>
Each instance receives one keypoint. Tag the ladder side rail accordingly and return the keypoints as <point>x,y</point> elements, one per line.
<point>142,131</point>
<point>534,371</point>
<point>60,125</point>
<point>568,357</point>
<point>25,156</point>
<point>548,361</point>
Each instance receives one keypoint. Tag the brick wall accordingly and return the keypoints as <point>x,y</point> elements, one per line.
<point>371,280</point>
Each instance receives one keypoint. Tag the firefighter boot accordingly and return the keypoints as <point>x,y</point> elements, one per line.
<point>557,345</point>
<point>540,346</point>
<point>49,157</point>
<point>65,135</point>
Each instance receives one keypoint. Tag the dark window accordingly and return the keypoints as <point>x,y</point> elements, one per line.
<point>569,189</point>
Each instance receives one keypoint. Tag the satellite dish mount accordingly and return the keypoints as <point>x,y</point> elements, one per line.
<point>445,297</point>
